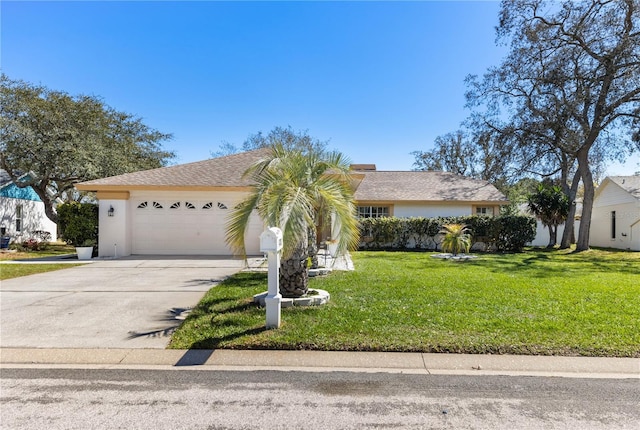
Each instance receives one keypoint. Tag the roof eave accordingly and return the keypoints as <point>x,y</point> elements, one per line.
<point>115,188</point>
<point>472,202</point>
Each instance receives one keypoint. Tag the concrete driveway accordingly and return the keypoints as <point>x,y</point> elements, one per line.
<point>125,303</point>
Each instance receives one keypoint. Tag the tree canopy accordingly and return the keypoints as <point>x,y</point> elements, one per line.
<point>64,139</point>
<point>571,82</point>
<point>287,137</point>
<point>464,152</point>
<point>566,99</point>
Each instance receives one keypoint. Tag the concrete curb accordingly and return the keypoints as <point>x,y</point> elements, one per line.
<point>324,361</point>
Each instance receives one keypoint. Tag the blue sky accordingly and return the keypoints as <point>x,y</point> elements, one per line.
<point>377,79</point>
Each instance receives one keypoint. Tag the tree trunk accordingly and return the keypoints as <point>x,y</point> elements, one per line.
<point>312,247</point>
<point>553,236</point>
<point>568,236</point>
<point>294,274</point>
<point>587,203</point>
<point>49,211</point>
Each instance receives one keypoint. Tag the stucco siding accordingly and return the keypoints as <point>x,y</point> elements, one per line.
<point>430,210</point>
<point>627,215</point>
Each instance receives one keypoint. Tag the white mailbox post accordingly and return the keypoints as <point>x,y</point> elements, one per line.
<point>271,243</point>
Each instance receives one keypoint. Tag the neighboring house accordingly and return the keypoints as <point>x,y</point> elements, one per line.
<point>615,221</point>
<point>183,209</point>
<point>21,210</point>
<point>424,194</point>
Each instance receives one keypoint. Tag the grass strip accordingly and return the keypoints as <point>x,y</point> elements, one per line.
<point>9,271</point>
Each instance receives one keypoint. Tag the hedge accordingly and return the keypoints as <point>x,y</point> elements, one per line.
<point>505,233</point>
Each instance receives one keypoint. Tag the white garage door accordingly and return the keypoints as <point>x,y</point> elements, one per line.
<point>185,227</point>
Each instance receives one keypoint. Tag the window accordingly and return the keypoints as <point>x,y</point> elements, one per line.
<point>189,205</point>
<point>613,224</point>
<point>176,205</point>
<point>373,211</point>
<point>222,206</point>
<point>208,205</point>
<point>143,205</point>
<point>157,205</point>
<point>484,211</point>
<point>19,216</point>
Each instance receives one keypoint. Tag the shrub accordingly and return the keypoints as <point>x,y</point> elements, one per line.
<point>78,223</point>
<point>38,241</point>
<point>17,246</point>
<point>505,233</point>
<point>510,233</point>
<point>31,245</point>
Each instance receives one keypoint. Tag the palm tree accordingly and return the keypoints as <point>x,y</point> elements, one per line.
<point>291,186</point>
<point>551,206</point>
<point>456,238</point>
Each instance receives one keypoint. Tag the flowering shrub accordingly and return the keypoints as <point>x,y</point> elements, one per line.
<point>31,245</point>
<point>39,241</point>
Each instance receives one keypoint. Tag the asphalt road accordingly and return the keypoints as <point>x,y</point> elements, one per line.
<point>39,398</point>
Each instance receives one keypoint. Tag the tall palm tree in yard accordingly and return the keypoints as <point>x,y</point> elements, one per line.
<point>291,187</point>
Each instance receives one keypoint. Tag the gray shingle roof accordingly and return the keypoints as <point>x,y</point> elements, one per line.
<point>376,185</point>
<point>631,184</point>
<point>216,172</point>
<point>425,186</point>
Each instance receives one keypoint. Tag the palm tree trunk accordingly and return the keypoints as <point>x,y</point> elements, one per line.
<point>552,239</point>
<point>294,274</point>
<point>312,248</point>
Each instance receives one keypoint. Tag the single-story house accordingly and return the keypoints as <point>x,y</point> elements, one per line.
<point>615,220</point>
<point>183,209</point>
<point>22,210</point>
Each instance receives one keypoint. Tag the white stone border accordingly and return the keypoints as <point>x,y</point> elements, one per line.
<point>321,297</point>
<point>448,256</point>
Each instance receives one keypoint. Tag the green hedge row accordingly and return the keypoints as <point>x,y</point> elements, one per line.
<point>505,233</point>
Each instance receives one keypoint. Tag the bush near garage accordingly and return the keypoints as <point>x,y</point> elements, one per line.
<point>78,223</point>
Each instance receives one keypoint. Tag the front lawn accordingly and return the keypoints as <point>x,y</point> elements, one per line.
<point>52,250</point>
<point>536,302</point>
<point>8,271</point>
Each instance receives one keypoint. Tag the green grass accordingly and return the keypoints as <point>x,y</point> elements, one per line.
<point>538,302</point>
<point>9,271</point>
<point>52,250</point>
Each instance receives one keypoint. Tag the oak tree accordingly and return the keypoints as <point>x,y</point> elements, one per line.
<point>63,139</point>
<point>570,85</point>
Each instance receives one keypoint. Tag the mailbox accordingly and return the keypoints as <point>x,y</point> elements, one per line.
<point>271,240</point>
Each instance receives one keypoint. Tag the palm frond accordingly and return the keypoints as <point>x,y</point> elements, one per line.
<point>237,223</point>
<point>291,186</point>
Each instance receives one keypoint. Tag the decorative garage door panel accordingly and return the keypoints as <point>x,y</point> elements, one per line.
<point>180,227</point>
